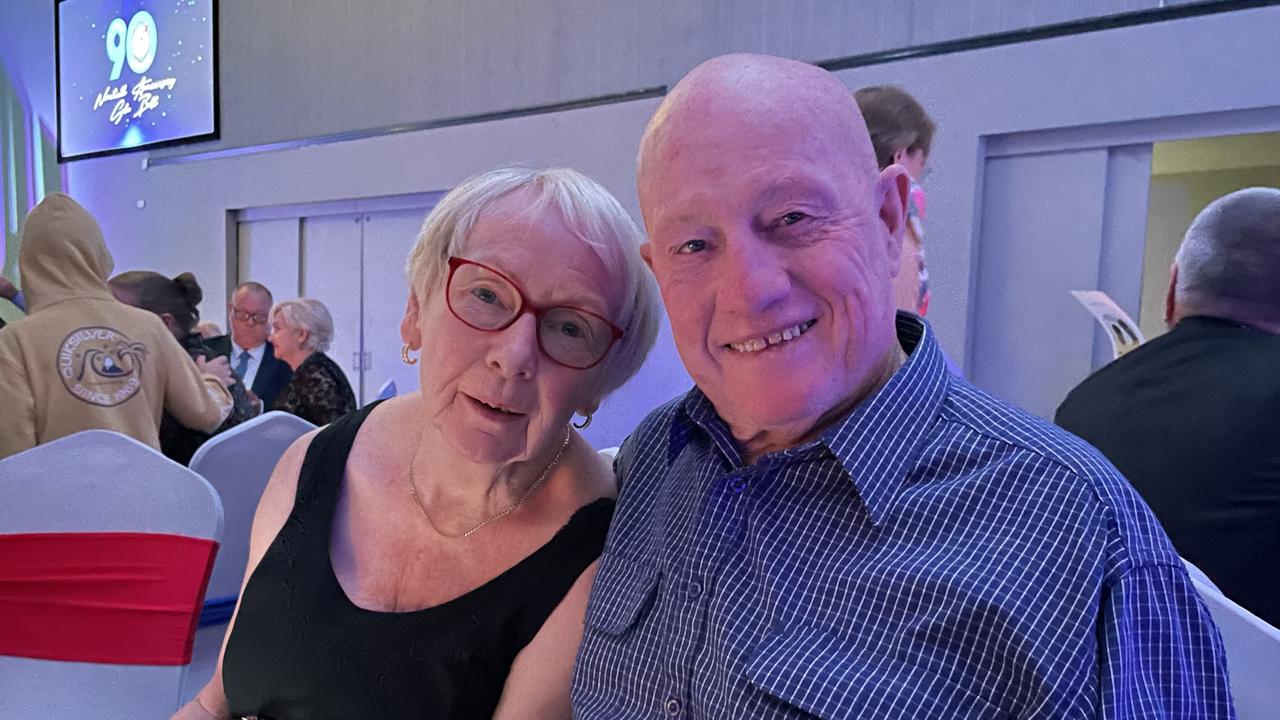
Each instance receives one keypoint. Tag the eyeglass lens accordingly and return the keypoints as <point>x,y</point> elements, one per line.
<point>487,301</point>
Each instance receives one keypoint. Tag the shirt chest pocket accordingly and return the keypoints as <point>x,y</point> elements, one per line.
<point>816,672</point>
<point>621,596</point>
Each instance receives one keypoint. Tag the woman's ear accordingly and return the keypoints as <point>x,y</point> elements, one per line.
<point>409,330</point>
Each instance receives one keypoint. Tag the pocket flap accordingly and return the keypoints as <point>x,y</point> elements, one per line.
<point>622,591</point>
<point>817,672</point>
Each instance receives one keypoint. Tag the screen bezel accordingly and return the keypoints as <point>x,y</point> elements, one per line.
<point>57,82</point>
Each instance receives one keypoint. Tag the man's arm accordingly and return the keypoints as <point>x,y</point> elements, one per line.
<point>1159,653</point>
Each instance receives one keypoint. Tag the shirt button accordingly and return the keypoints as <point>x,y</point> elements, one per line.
<point>737,484</point>
<point>694,589</point>
<point>671,707</point>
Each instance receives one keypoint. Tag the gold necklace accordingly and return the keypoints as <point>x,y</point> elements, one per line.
<point>413,492</point>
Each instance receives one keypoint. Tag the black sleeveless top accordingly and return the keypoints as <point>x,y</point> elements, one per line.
<point>300,649</point>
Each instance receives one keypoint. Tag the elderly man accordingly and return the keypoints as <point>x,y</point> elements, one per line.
<point>1192,418</point>
<point>252,357</point>
<point>830,523</point>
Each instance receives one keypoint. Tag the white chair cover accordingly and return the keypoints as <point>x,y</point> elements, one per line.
<point>98,481</point>
<point>1253,651</point>
<point>238,464</point>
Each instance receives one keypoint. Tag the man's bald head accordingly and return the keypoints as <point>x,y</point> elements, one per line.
<point>745,94</point>
<point>774,239</point>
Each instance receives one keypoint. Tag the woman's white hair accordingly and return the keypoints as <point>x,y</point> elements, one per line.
<point>310,315</point>
<point>593,215</point>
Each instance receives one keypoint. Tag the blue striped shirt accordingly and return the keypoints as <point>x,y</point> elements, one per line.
<point>936,553</point>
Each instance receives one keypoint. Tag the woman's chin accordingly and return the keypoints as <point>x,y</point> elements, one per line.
<point>486,448</point>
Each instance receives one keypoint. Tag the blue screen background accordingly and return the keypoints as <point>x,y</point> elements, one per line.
<point>184,52</point>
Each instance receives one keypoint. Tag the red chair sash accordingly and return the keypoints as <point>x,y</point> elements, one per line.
<point>119,598</point>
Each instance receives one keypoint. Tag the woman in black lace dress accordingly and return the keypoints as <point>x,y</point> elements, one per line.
<point>301,331</point>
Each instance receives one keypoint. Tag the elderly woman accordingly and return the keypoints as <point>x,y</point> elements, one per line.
<point>430,555</point>
<point>301,331</point>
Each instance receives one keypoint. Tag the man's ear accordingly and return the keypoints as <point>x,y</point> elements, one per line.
<point>409,331</point>
<point>891,192</point>
<point>167,319</point>
<point>1170,298</point>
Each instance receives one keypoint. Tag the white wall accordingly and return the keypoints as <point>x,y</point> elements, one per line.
<point>26,49</point>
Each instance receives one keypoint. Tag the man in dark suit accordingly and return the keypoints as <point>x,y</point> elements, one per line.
<point>1192,418</point>
<point>251,356</point>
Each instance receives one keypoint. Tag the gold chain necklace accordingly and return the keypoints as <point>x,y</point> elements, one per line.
<point>413,492</point>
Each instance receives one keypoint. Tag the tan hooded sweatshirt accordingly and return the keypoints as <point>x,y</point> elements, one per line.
<point>81,360</point>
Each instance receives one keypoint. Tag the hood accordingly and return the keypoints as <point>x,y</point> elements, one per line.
<point>63,254</point>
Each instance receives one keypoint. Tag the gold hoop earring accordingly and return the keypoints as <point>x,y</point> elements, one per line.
<point>584,424</point>
<point>404,356</point>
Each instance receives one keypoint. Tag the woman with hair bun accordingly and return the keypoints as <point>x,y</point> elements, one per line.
<point>175,301</point>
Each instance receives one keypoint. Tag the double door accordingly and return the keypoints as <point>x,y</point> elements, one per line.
<point>352,259</point>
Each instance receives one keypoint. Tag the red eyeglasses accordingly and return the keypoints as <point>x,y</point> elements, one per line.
<point>485,299</point>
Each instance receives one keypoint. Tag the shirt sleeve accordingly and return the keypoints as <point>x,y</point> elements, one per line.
<point>197,400</point>
<point>1160,654</point>
<point>18,430</point>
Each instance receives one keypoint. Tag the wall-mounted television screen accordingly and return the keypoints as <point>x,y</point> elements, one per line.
<point>135,73</point>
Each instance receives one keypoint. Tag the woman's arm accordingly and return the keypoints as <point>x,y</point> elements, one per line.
<point>538,686</point>
<point>273,511</point>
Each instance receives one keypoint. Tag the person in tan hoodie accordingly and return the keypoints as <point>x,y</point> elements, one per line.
<point>82,360</point>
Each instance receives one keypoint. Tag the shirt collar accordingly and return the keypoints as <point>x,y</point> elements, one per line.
<point>875,442</point>
<point>255,353</point>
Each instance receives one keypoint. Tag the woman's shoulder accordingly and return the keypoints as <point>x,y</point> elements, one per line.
<point>590,477</point>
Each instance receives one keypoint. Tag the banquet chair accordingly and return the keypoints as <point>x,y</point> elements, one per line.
<point>388,390</point>
<point>238,464</point>
<point>105,549</point>
<point>1253,651</point>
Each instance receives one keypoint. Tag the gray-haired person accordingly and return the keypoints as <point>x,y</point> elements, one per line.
<point>430,555</point>
<point>1192,417</point>
<point>831,524</point>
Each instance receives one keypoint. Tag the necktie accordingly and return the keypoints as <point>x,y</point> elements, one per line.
<point>242,364</point>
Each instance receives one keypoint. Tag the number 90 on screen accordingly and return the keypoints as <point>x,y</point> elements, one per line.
<point>134,43</point>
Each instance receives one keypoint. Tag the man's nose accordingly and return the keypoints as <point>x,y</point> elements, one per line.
<point>754,274</point>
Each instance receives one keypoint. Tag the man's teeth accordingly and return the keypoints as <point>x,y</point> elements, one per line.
<point>501,410</point>
<point>758,344</point>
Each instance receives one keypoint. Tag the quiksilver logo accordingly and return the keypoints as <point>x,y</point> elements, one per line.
<point>101,366</point>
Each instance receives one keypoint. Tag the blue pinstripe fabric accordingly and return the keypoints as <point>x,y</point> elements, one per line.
<point>935,554</point>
